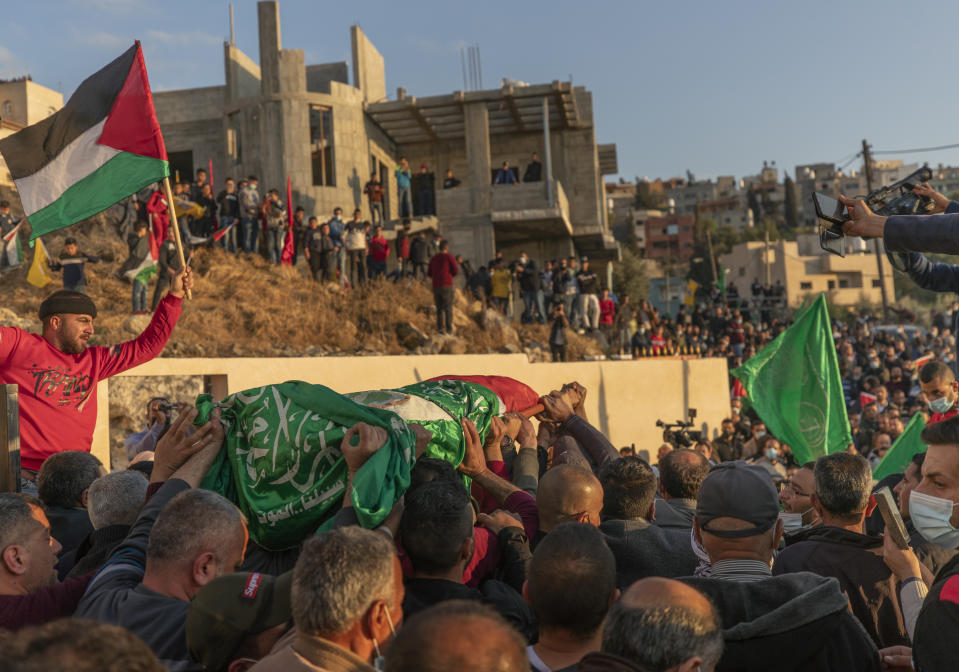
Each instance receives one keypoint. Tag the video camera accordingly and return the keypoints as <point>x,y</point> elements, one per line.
<point>678,433</point>
<point>895,199</point>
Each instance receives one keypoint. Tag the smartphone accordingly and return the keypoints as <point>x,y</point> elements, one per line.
<point>890,514</point>
<point>831,214</point>
<point>829,208</point>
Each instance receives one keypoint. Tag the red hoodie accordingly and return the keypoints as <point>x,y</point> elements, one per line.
<point>57,391</point>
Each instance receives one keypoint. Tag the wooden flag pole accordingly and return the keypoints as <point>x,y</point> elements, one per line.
<point>176,227</point>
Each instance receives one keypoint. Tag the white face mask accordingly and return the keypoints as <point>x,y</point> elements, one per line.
<point>379,661</point>
<point>931,516</point>
<point>791,521</point>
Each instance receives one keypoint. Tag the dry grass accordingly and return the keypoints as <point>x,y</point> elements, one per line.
<point>250,308</point>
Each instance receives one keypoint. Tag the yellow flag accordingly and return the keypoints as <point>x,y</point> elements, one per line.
<point>39,275</point>
<point>691,287</point>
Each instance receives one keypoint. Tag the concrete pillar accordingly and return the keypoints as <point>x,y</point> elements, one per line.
<point>100,446</point>
<point>476,117</point>
<point>268,15</point>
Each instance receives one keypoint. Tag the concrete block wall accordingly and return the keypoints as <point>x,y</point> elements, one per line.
<point>187,105</point>
<point>319,77</point>
<point>242,74</point>
<point>369,72</point>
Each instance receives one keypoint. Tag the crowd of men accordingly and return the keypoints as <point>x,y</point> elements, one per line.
<point>562,555</point>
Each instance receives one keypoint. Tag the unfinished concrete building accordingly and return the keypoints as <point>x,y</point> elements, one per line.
<point>329,132</point>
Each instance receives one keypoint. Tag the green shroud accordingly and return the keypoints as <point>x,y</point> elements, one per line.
<point>439,406</point>
<point>794,385</point>
<point>282,464</point>
<point>900,453</point>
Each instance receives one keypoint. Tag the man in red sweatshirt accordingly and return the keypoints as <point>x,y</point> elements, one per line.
<point>57,374</point>
<point>441,270</point>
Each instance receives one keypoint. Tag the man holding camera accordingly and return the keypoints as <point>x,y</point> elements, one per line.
<point>158,419</point>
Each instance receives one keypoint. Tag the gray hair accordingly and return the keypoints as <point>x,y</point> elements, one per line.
<point>338,576</point>
<point>64,476</point>
<point>115,499</point>
<point>16,518</point>
<point>658,638</point>
<point>192,522</point>
<point>843,482</point>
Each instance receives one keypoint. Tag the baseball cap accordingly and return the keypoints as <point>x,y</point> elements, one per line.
<point>738,490</point>
<point>230,608</point>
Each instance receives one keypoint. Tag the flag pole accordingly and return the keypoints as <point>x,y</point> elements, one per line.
<point>176,227</point>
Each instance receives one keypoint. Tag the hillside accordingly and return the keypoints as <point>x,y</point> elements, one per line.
<point>246,307</point>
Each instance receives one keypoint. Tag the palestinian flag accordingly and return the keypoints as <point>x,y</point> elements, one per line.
<point>104,145</point>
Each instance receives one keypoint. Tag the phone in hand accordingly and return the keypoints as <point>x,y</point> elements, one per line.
<point>890,514</point>
<point>831,214</point>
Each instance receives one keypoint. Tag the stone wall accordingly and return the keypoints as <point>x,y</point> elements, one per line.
<point>625,398</point>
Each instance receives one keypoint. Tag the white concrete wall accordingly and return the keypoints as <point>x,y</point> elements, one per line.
<point>624,398</point>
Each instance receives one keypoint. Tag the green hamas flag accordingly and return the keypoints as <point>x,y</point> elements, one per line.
<point>282,464</point>
<point>900,453</point>
<point>439,405</point>
<point>794,385</point>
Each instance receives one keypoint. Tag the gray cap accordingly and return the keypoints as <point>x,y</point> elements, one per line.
<point>738,490</point>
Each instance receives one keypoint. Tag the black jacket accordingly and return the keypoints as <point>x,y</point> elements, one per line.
<point>90,555</point>
<point>856,560</point>
<point>675,513</point>
<point>419,251</point>
<point>642,549</point>
<point>69,526</point>
<point>424,593</point>
<point>934,647</point>
<point>793,623</point>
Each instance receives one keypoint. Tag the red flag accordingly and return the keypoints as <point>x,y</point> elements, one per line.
<point>222,232</point>
<point>516,396</point>
<point>216,220</point>
<point>865,399</point>
<point>287,258</point>
<point>154,246</point>
<point>922,361</point>
<point>738,390</point>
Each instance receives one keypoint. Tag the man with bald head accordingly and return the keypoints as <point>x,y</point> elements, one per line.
<point>659,625</point>
<point>567,494</point>
<point>681,472</point>
<point>797,621</point>
<point>460,635</point>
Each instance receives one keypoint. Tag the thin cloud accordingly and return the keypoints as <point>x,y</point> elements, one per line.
<point>192,38</point>
<point>103,40</point>
<point>10,65</point>
<point>114,7</point>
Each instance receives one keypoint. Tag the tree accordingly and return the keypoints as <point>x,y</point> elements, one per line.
<point>629,275</point>
<point>646,199</point>
<point>790,205</point>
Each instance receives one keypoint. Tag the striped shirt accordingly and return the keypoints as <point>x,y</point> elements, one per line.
<point>741,570</point>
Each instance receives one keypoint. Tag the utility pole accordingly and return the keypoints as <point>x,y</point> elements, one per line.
<point>712,261</point>
<point>867,164</point>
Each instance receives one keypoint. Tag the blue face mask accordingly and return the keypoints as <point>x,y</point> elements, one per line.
<point>771,454</point>
<point>932,517</point>
<point>940,405</point>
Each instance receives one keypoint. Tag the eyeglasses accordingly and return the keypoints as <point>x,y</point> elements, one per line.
<point>790,487</point>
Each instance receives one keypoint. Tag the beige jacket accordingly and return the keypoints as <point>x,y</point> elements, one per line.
<point>302,653</point>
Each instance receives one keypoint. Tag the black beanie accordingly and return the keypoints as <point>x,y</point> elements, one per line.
<point>65,301</point>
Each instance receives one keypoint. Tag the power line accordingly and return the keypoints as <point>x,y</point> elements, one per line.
<point>913,151</point>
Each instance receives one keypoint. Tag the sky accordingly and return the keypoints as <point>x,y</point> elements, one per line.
<point>715,88</point>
